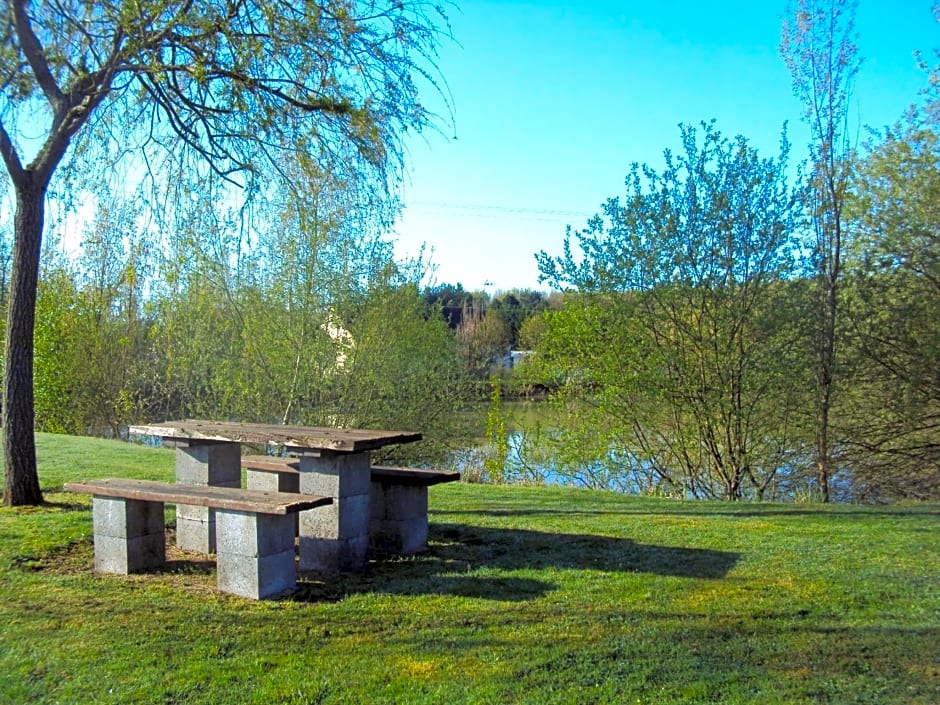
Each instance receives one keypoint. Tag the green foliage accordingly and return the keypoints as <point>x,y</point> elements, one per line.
<point>401,372</point>
<point>680,342</point>
<point>56,361</point>
<point>527,595</point>
<point>516,308</point>
<point>497,439</point>
<point>89,330</point>
<point>483,339</point>
<point>820,47</point>
<point>891,405</point>
<point>314,323</point>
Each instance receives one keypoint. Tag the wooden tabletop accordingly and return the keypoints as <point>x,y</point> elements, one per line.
<point>343,440</point>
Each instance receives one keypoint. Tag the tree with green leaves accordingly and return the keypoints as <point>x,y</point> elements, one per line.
<point>90,336</point>
<point>229,84</point>
<point>892,406</point>
<point>676,344</point>
<point>401,371</point>
<point>819,46</point>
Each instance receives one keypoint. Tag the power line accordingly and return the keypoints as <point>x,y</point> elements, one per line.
<point>492,211</point>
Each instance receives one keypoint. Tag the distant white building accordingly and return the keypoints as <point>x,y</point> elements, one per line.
<point>513,358</point>
<point>341,337</point>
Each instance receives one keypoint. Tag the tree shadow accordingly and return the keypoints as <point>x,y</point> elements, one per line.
<point>515,549</point>
<point>421,578</point>
<point>467,561</point>
<point>832,511</point>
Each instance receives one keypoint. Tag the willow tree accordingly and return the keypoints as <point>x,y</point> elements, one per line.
<point>228,83</point>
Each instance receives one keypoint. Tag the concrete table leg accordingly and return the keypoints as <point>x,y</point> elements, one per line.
<point>335,537</point>
<point>255,554</point>
<point>130,535</point>
<point>217,464</point>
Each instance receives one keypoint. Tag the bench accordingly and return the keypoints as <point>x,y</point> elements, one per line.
<point>399,505</point>
<point>398,498</point>
<point>254,530</point>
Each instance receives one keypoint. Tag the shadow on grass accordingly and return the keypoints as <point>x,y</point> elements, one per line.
<point>470,561</point>
<point>703,508</point>
<point>406,578</point>
<point>515,549</point>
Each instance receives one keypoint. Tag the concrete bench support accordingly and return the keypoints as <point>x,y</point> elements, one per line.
<point>255,554</point>
<point>130,535</point>
<point>255,531</point>
<point>399,508</point>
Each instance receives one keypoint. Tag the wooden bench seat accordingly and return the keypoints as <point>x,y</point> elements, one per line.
<point>398,500</point>
<point>414,477</point>
<point>380,473</point>
<point>255,530</point>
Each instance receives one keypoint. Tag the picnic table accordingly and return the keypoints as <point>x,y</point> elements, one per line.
<point>333,463</point>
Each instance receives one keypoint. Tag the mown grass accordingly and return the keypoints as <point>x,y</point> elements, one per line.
<point>528,595</point>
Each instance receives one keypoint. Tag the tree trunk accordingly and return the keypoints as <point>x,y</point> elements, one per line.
<point>21,479</point>
<point>825,382</point>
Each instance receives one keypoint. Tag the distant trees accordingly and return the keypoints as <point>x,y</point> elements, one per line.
<point>332,331</point>
<point>487,327</point>
<point>89,327</point>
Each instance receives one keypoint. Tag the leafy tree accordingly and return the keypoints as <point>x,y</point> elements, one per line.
<point>455,302</point>
<point>516,307</point>
<point>401,372</point>
<point>678,341</point>
<point>56,355</point>
<point>893,405</point>
<point>230,84</point>
<point>483,338</point>
<point>819,46</point>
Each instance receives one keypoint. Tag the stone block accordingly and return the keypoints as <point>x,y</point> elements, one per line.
<point>217,464</point>
<point>377,501</point>
<point>347,517</point>
<point>248,534</point>
<point>333,555</point>
<point>400,501</point>
<point>116,554</point>
<point>127,518</point>
<point>335,474</point>
<point>194,513</point>
<point>195,535</point>
<point>269,481</point>
<point>403,536</point>
<point>257,577</point>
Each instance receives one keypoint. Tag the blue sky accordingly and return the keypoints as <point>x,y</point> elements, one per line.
<point>553,101</point>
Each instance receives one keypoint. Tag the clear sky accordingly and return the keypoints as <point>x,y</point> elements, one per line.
<point>553,101</point>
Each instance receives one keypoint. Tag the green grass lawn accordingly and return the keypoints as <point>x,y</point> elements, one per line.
<point>528,595</point>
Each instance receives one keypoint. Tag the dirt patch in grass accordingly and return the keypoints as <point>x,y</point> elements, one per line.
<point>192,572</point>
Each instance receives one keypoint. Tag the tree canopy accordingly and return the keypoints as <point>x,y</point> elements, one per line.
<point>675,343</point>
<point>231,87</point>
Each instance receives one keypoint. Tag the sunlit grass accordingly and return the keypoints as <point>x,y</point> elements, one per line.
<point>528,595</point>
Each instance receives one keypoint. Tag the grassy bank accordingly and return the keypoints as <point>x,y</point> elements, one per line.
<point>528,595</point>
